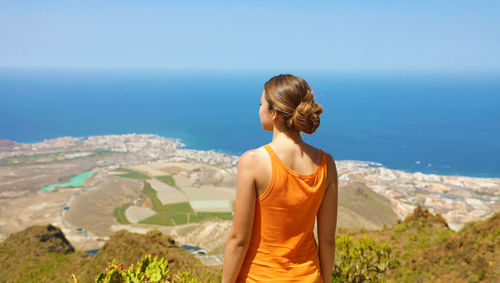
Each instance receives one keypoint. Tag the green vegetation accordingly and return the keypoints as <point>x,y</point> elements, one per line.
<point>171,219</point>
<point>131,174</point>
<point>119,213</point>
<point>428,250</point>
<point>170,214</point>
<point>159,219</point>
<point>152,195</point>
<point>167,179</point>
<point>42,254</point>
<point>148,269</point>
<point>420,230</point>
<point>174,217</point>
<point>363,260</point>
<point>181,208</point>
<point>176,213</point>
<point>182,213</point>
<point>419,249</point>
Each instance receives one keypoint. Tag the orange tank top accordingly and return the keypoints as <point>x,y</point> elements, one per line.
<point>282,247</point>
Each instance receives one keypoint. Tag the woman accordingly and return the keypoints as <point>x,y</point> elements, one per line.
<point>281,188</point>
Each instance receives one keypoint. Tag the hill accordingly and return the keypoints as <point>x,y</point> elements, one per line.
<point>473,254</point>
<point>42,254</point>
<point>429,251</point>
<point>423,245</point>
<point>360,207</point>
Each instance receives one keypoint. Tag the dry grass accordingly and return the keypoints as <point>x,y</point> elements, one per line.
<point>42,254</point>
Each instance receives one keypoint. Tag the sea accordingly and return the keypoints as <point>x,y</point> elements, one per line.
<point>444,123</point>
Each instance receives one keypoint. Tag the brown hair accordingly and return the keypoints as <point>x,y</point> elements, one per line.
<point>293,99</point>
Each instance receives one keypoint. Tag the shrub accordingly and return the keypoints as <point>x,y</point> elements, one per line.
<point>364,260</point>
<point>148,269</point>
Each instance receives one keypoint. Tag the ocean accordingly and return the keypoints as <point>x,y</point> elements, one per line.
<point>435,122</point>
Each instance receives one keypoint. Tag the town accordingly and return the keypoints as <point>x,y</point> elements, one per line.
<point>458,199</point>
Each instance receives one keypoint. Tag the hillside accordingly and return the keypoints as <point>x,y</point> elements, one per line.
<point>424,247</point>
<point>361,207</point>
<point>42,254</point>
<point>431,252</point>
<point>473,254</point>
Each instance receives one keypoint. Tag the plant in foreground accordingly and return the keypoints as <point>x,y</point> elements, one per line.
<point>364,260</point>
<point>148,269</point>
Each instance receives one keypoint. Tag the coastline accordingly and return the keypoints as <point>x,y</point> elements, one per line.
<point>458,198</point>
<point>181,145</point>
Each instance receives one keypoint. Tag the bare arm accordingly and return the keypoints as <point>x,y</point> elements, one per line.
<point>244,209</point>
<point>327,223</point>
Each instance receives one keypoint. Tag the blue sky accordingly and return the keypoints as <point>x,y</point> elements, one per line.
<point>344,35</point>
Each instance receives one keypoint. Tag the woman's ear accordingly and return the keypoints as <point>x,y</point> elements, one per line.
<point>275,114</point>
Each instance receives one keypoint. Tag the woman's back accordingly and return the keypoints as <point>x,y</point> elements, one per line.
<point>302,159</point>
<point>283,245</point>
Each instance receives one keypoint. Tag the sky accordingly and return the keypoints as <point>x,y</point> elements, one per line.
<point>343,35</point>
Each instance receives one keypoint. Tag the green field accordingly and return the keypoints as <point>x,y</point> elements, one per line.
<point>170,218</point>
<point>120,214</point>
<point>151,194</point>
<point>170,214</point>
<point>181,208</point>
<point>131,174</point>
<point>167,179</point>
<point>174,217</point>
<point>159,219</point>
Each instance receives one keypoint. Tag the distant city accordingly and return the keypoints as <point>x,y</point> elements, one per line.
<point>459,199</point>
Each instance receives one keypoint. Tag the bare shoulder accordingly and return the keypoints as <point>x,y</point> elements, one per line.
<point>253,169</point>
<point>252,158</point>
<point>331,169</point>
<point>329,160</point>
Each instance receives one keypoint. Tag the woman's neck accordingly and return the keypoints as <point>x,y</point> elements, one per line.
<point>291,136</point>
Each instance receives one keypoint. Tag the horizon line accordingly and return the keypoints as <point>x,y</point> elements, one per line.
<point>266,69</point>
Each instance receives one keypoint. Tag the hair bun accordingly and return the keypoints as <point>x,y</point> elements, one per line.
<point>293,99</point>
<point>306,116</point>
